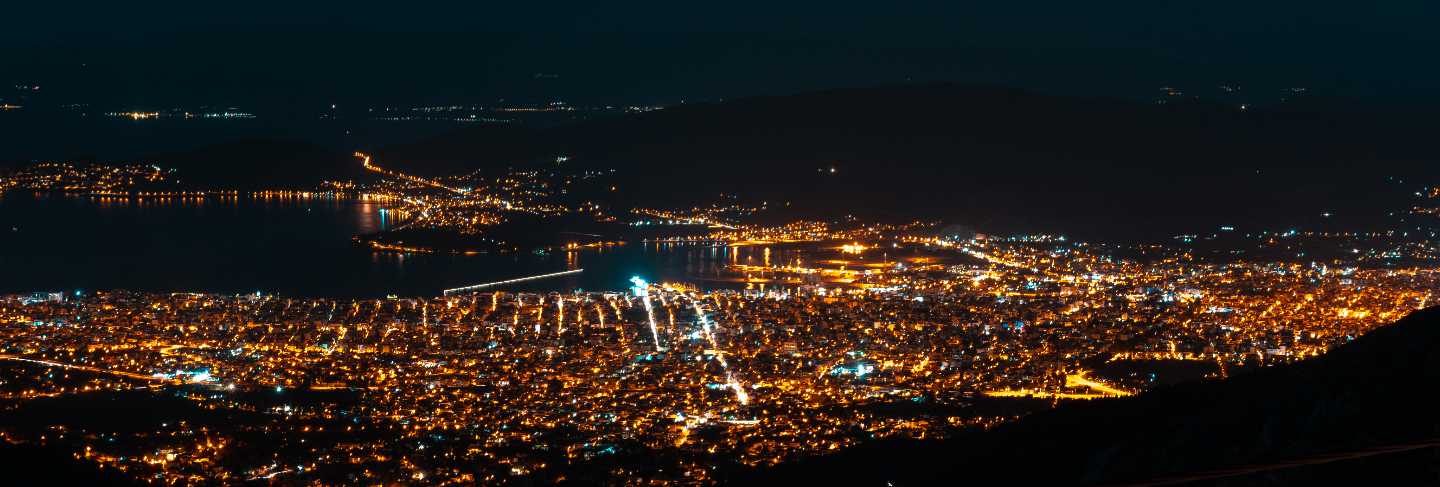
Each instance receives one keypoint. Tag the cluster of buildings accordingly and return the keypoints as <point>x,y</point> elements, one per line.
<point>861,331</point>
<point>670,383</point>
<point>180,113</point>
<point>94,179</point>
<point>473,204</point>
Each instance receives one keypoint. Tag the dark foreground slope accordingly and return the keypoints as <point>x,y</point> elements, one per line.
<point>28,465</point>
<point>1364,414</point>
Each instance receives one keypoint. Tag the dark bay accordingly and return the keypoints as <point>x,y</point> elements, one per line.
<point>289,247</point>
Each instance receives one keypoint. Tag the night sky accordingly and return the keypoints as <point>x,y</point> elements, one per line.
<point>641,52</point>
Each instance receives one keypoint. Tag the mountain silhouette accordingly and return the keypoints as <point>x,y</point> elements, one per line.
<point>994,158</point>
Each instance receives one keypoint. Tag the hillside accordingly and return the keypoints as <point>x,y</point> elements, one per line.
<point>263,163</point>
<point>989,157</point>
<point>1359,414</point>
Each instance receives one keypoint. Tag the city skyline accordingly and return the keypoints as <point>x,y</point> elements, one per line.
<point>718,244</point>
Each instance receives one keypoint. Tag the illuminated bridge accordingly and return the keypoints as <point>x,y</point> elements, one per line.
<point>477,287</point>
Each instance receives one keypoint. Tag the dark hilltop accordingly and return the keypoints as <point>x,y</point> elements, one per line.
<point>996,158</point>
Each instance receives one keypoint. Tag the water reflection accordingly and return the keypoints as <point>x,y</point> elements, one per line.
<point>296,246</point>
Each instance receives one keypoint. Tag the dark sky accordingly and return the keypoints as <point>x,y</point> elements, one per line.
<point>414,51</point>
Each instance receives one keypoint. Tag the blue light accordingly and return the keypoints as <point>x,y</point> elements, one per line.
<point>640,287</point>
<point>861,369</point>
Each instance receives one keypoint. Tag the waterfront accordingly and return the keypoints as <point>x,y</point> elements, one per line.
<point>350,366</point>
<point>291,247</point>
<point>661,383</point>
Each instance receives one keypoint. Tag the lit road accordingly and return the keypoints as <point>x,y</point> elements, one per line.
<point>365,161</point>
<point>48,363</point>
<point>1079,379</point>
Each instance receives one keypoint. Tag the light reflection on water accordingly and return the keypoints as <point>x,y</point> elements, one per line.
<point>296,247</point>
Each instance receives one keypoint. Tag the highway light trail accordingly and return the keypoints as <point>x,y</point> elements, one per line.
<point>1080,379</point>
<point>740,394</point>
<point>448,292</point>
<point>641,288</point>
<point>650,315</point>
<point>48,363</point>
<point>560,316</point>
<point>365,161</point>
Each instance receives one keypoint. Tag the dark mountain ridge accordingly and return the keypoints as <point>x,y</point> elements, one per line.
<point>995,158</point>
<point>262,164</point>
